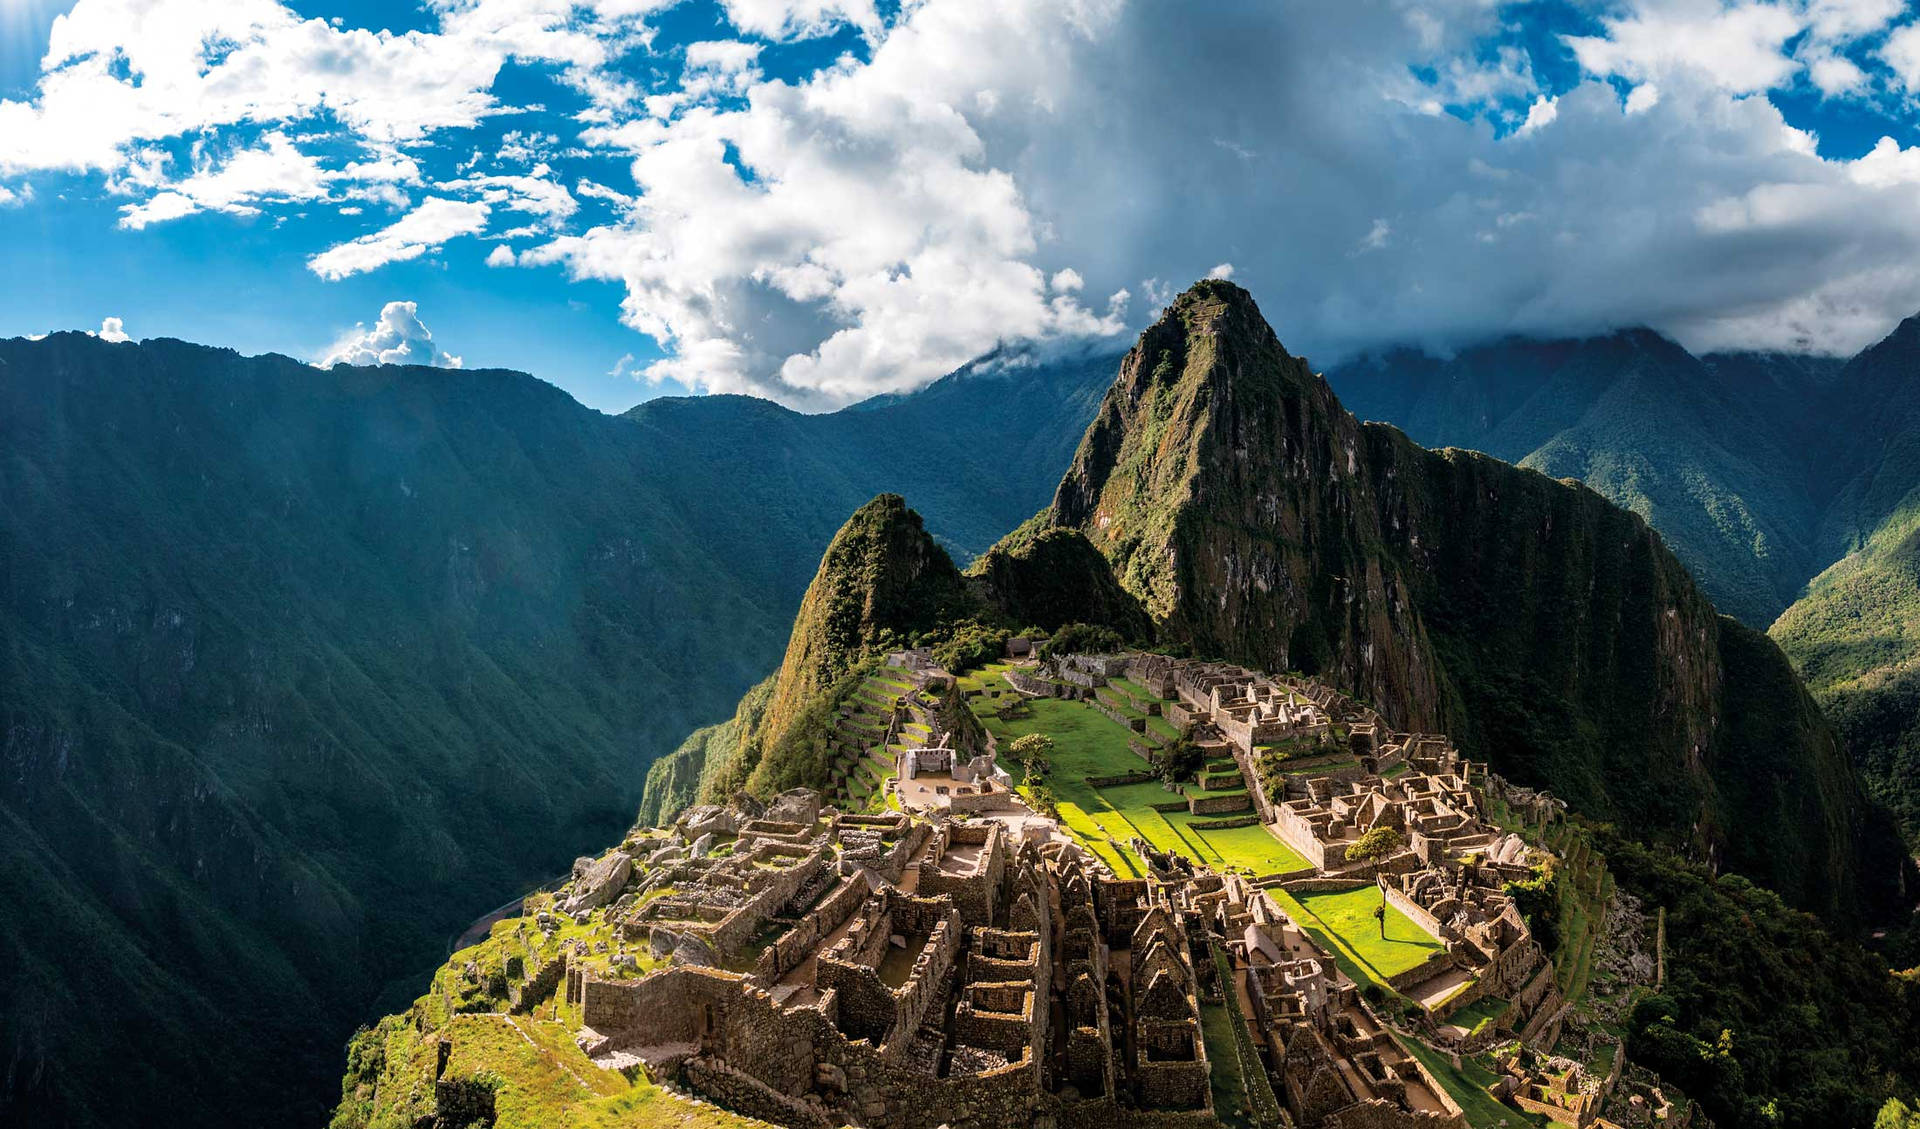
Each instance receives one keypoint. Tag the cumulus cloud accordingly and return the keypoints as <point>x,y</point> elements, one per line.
<point>981,170</point>
<point>799,19</point>
<point>424,229</point>
<point>111,329</point>
<point>398,338</point>
<point>866,228</point>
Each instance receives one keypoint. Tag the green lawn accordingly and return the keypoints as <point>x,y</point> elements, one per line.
<point>1486,1007</point>
<point>1088,743</point>
<point>1344,925</point>
<point>1467,1086</point>
<point>1230,1102</point>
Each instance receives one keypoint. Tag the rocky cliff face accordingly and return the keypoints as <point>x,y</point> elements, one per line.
<point>1547,629</point>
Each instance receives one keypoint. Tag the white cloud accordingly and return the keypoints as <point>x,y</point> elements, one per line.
<point>398,338</point>
<point>1740,45</point>
<point>424,229</point>
<point>719,68</point>
<point>1541,114</point>
<point>111,329</point>
<point>536,193</point>
<point>976,173</point>
<point>273,172</point>
<point>800,19</point>
<point>1902,53</point>
<point>1221,270</point>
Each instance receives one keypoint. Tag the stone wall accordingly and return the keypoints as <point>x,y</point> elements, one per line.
<point>793,947</point>
<point>1217,805</point>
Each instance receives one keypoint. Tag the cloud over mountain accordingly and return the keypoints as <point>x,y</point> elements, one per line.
<point>399,337</point>
<point>815,201</point>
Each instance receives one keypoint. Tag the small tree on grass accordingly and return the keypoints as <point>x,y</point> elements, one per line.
<point>1375,845</point>
<point>1030,752</point>
<point>1177,760</point>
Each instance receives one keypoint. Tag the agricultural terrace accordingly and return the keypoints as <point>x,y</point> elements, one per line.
<point>1087,743</point>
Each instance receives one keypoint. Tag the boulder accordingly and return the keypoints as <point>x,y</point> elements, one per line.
<point>702,845</point>
<point>709,819</point>
<point>746,806</point>
<point>693,951</point>
<point>800,805</point>
<point>602,880</point>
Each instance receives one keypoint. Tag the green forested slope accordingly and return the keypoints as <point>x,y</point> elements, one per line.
<point>303,670</point>
<point>1785,483</point>
<point>1723,472</point>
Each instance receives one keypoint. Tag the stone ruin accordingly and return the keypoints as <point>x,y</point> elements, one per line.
<point>911,969</point>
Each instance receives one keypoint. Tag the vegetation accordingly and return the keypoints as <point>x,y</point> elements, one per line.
<point>1367,948</point>
<point>1087,743</point>
<point>1081,639</point>
<point>306,669</point>
<point>1765,1017</point>
<point>1177,760</point>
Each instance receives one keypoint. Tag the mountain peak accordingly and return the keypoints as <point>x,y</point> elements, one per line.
<point>881,580</point>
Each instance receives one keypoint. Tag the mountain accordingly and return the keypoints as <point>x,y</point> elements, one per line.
<point>1856,633</point>
<point>881,582</point>
<point>1548,630</point>
<point>1709,450</point>
<point>1785,483</point>
<point>306,669</point>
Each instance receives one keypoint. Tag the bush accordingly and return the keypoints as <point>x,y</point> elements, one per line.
<point>969,644</point>
<point>1178,760</point>
<point>1081,639</point>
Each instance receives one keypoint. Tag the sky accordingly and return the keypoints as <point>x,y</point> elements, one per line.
<point>818,201</point>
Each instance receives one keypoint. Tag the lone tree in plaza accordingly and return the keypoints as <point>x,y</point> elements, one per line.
<point>1379,843</point>
<point>1031,753</point>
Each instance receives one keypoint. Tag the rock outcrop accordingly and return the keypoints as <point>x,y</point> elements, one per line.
<point>599,882</point>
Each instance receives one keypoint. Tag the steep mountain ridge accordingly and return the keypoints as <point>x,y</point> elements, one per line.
<point>1722,473</point>
<point>881,582</point>
<point>1552,632</point>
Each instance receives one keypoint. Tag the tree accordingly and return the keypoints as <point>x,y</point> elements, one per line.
<point>1030,752</point>
<point>1177,760</point>
<point>1896,1114</point>
<point>1373,846</point>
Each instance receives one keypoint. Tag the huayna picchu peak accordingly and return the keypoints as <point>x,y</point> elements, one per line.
<point>1548,630</point>
<point>1280,772</point>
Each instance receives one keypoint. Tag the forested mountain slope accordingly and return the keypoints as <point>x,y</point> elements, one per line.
<point>305,669</point>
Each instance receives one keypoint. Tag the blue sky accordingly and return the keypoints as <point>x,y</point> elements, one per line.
<point>819,200</point>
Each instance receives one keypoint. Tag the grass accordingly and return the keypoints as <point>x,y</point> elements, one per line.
<point>1467,1086</point>
<point>547,1083</point>
<point>1484,1008</point>
<point>1344,925</point>
<point>1087,743</point>
<point>1230,1102</point>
